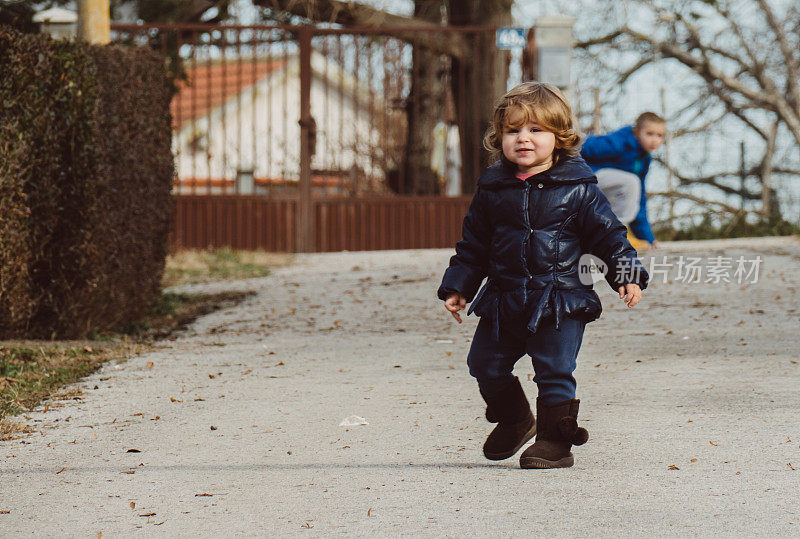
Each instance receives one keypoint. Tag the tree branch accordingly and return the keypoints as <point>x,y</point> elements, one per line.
<point>698,107</point>
<point>678,195</point>
<point>424,34</point>
<point>602,40</point>
<point>738,111</point>
<point>786,50</point>
<point>625,75</point>
<point>713,181</point>
<point>704,68</point>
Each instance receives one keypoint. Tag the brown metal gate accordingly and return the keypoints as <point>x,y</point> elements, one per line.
<point>293,138</point>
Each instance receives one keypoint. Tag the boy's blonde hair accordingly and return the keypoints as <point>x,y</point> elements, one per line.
<point>646,117</point>
<point>541,103</point>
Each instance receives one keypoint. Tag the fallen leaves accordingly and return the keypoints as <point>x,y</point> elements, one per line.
<point>10,428</point>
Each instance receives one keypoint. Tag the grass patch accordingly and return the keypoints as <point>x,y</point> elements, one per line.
<point>175,311</point>
<point>191,266</point>
<point>31,371</point>
<point>735,227</point>
<point>34,371</point>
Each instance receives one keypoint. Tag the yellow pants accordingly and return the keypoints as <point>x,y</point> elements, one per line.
<point>639,245</point>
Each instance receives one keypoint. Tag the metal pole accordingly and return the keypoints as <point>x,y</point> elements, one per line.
<point>670,177</point>
<point>305,231</point>
<point>742,173</point>
<point>597,115</point>
<point>94,21</point>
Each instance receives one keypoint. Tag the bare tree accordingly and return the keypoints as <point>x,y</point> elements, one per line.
<point>744,56</point>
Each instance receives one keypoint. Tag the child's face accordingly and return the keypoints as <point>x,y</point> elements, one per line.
<point>526,145</point>
<point>651,135</point>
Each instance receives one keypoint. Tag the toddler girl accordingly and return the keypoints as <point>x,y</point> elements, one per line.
<point>535,212</point>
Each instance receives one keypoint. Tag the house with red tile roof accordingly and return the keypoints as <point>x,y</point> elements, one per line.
<point>235,127</point>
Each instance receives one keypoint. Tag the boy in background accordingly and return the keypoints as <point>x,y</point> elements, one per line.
<point>621,160</point>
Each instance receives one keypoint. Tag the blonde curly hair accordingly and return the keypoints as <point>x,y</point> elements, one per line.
<point>538,102</point>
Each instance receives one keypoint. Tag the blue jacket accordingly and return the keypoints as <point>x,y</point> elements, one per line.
<point>621,150</point>
<point>528,236</point>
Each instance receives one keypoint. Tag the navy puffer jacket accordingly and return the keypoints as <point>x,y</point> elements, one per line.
<point>527,237</point>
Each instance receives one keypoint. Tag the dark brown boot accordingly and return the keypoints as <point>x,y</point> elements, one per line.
<point>516,425</point>
<point>558,432</point>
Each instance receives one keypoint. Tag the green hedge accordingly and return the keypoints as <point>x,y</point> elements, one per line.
<point>85,177</point>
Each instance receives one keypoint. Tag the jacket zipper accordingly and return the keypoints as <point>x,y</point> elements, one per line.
<point>526,244</point>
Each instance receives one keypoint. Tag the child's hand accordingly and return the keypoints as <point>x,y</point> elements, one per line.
<point>454,303</point>
<point>631,292</point>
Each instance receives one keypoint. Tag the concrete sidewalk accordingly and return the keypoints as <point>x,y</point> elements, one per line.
<point>691,401</point>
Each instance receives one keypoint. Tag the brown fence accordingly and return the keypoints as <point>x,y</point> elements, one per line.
<point>353,224</point>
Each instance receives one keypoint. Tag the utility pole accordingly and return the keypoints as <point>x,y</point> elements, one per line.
<point>742,173</point>
<point>670,177</point>
<point>94,21</point>
<point>597,115</point>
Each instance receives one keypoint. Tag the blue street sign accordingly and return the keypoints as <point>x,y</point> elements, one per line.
<point>510,38</point>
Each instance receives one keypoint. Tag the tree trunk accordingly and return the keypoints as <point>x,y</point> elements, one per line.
<point>423,109</point>
<point>478,80</point>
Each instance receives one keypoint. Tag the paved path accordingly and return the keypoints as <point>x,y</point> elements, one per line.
<point>691,400</point>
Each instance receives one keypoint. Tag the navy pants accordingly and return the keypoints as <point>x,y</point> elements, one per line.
<point>553,353</point>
